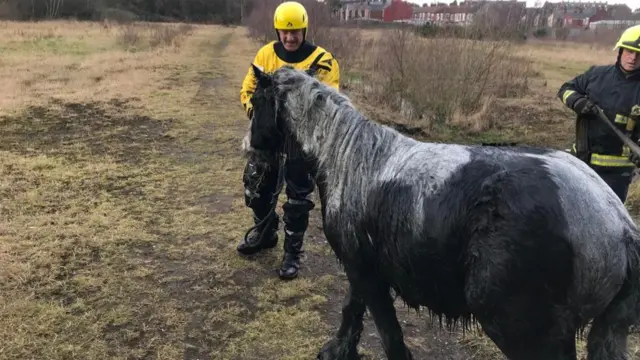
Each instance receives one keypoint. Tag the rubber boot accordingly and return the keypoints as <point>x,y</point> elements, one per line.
<point>291,258</point>
<point>263,237</point>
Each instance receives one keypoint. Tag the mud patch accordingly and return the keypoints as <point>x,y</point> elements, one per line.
<point>206,90</point>
<point>101,128</point>
<point>137,331</point>
<point>217,204</point>
<point>215,310</point>
<point>211,83</point>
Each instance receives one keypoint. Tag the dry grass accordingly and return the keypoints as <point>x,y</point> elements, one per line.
<point>122,202</point>
<point>458,79</point>
<point>560,60</point>
<point>120,213</point>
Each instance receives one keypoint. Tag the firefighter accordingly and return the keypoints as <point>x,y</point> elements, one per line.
<point>616,90</point>
<point>291,22</point>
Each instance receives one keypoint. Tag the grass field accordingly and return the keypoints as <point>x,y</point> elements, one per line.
<point>122,201</point>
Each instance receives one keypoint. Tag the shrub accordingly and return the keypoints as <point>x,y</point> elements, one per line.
<point>562,34</point>
<point>476,31</point>
<point>541,32</point>
<point>137,36</point>
<point>129,36</point>
<point>444,80</point>
<point>117,15</point>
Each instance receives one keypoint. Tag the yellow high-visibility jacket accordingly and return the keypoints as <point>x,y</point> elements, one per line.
<point>273,56</point>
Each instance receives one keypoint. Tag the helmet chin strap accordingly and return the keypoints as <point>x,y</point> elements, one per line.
<point>619,59</point>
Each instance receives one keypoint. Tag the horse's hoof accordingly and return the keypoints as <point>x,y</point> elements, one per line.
<point>336,350</point>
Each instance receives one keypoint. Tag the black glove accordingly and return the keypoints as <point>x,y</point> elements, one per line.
<point>584,106</point>
<point>635,159</point>
<point>250,113</point>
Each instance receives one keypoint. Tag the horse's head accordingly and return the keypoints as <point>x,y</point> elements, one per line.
<point>266,132</point>
<point>283,106</point>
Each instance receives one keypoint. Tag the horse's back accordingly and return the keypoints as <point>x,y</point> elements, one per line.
<point>553,231</point>
<point>598,229</point>
<point>524,216</point>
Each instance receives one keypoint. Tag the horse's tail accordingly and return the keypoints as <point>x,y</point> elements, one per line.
<point>608,335</point>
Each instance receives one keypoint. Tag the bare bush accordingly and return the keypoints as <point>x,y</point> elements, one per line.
<point>164,35</point>
<point>129,36</point>
<point>499,21</point>
<point>444,80</point>
<point>118,16</point>
<point>136,35</point>
<point>260,21</point>
<point>346,45</point>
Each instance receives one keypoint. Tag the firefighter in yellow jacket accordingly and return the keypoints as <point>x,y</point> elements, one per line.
<point>292,48</point>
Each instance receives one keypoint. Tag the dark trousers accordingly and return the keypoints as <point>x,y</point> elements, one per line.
<point>618,179</point>
<point>261,180</point>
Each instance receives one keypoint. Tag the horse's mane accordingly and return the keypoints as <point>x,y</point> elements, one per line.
<point>346,144</point>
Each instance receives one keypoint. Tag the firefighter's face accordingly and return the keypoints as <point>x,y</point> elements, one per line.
<point>291,39</point>
<point>630,60</point>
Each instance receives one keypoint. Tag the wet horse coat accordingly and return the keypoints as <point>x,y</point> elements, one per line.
<point>529,242</point>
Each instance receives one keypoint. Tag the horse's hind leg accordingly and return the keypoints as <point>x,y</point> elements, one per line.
<point>344,344</point>
<point>524,325</point>
<point>609,331</point>
<point>526,345</point>
<point>521,309</point>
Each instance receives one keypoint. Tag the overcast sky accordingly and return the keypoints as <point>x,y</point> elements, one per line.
<point>633,4</point>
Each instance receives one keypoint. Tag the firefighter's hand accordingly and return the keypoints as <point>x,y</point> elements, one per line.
<point>635,159</point>
<point>584,106</point>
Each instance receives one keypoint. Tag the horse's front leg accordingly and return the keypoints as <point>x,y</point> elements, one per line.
<point>380,304</point>
<point>344,344</point>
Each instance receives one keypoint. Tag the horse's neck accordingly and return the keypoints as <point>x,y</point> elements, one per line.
<point>335,135</point>
<point>347,147</point>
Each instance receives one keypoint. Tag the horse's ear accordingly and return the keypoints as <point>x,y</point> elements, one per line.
<point>263,78</point>
<point>256,71</point>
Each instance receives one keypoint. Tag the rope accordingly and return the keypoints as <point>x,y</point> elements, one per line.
<point>280,185</point>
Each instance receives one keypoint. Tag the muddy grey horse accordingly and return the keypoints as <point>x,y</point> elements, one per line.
<point>528,242</point>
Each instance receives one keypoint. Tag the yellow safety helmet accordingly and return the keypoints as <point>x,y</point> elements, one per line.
<point>630,39</point>
<point>290,15</point>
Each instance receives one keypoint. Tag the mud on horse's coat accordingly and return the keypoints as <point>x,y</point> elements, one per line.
<point>530,243</point>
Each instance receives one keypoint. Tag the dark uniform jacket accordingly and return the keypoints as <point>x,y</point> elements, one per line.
<point>618,94</point>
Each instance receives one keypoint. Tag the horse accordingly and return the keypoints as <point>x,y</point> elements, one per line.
<point>527,242</point>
